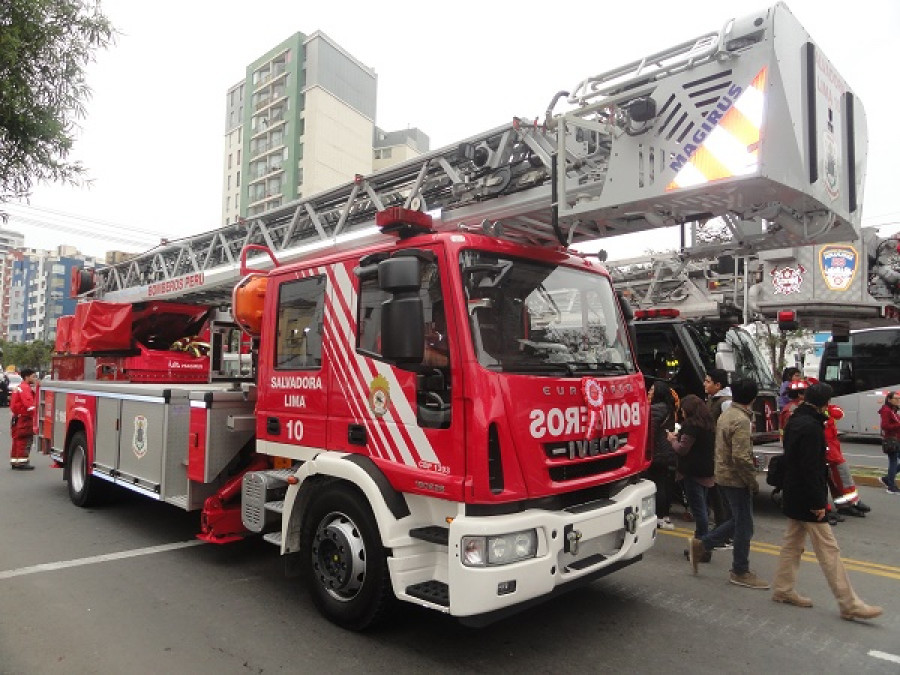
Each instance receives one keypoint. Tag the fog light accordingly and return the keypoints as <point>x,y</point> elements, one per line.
<point>506,587</point>
<point>499,550</point>
<point>473,551</point>
<point>524,546</point>
<point>648,508</point>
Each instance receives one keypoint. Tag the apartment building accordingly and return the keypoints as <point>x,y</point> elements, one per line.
<point>9,241</point>
<point>39,291</point>
<point>302,121</point>
<point>394,147</point>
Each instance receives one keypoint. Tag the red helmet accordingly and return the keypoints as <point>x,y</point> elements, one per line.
<point>799,385</point>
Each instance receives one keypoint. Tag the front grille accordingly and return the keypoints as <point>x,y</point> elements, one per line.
<point>584,468</point>
<point>583,448</point>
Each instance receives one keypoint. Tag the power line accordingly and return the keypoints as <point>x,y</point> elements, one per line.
<point>74,216</point>
<point>103,237</point>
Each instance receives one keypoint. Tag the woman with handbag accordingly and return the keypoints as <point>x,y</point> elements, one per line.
<point>890,438</point>
<point>695,446</point>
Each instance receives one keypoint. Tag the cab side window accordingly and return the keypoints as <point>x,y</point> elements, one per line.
<point>368,334</point>
<point>301,311</point>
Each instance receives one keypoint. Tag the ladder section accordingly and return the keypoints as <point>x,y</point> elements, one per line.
<point>744,124</point>
<point>697,288</point>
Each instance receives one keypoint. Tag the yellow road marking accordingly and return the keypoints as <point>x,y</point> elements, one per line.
<point>877,569</point>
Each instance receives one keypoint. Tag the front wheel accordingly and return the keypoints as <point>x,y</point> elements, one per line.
<point>344,563</point>
<point>83,487</point>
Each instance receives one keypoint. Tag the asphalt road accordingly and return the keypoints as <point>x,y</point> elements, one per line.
<point>125,588</point>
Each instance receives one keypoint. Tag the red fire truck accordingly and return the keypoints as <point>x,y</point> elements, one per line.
<point>446,408</point>
<point>441,421</point>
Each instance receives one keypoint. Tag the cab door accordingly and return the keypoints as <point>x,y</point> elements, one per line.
<point>292,402</point>
<point>407,417</point>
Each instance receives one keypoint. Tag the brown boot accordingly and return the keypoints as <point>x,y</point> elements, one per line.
<point>792,598</point>
<point>696,553</point>
<point>863,612</point>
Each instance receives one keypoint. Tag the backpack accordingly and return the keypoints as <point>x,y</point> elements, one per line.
<point>775,472</point>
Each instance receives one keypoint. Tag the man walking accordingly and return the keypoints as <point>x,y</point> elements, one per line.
<point>736,479</point>
<point>718,398</point>
<point>22,429</point>
<point>805,502</point>
<point>718,393</point>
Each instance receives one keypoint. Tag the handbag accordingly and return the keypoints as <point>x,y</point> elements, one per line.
<point>890,445</point>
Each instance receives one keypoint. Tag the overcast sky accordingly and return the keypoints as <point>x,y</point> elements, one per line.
<point>153,138</point>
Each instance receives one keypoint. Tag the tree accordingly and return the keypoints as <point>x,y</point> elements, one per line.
<point>775,343</point>
<point>35,355</point>
<point>45,46</point>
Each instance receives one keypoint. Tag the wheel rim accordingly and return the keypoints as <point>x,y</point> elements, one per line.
<point>339,557</point>
<point>78,470</point>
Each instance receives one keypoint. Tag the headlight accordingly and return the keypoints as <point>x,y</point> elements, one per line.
<point>648,507</point>
<point>501,549</point>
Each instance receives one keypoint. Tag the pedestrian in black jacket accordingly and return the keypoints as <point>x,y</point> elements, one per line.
<point>662,468</point>
<point>805,501</point>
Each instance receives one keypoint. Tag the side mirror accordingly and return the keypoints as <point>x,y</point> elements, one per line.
<point>402,316</point>
<point>725,357</point>
<point>627,309</point>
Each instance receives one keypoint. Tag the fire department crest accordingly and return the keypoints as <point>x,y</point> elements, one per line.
<point>139,440</point>
<point>838,264</point>
<point>379,396</point>
<point>787,279</point>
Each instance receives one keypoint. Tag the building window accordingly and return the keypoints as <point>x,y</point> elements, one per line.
<point>301,311</point>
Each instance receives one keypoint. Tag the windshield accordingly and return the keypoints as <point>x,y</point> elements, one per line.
<point>748,360</point>
<point>531,317</point>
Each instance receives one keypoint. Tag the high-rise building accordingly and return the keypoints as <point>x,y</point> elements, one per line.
<point>39,291</point>
<point>303,121</point>
<point>9,241</point>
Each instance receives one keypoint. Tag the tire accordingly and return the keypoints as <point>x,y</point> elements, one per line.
<point>84,489</point>
<point>343,561</point>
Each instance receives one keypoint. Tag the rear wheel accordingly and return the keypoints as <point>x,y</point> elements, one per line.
<point>83,487</point>
<point>345,565</point>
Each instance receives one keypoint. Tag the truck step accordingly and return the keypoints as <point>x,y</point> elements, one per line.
<point>275,507</point>
<point>432,533</point>
<point>273,538</point>
<point>280,474</point>
<point>435,592</point>
<point>178,500</point>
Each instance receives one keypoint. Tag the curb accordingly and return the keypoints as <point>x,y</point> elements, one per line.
<point>866,479</point>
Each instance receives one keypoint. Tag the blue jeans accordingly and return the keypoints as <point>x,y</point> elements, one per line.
<point>892,468</point>
<point>739,528</point>
<point>696,497</point>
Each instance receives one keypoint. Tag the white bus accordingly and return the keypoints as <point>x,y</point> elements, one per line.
<point>862,371</point>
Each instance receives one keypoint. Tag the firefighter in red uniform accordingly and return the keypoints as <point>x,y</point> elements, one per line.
<point>22,429</point>
<point>840,480</point>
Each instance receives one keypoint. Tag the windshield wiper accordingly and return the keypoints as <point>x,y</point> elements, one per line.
<point>531,367</point>
<point>605,367</point>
